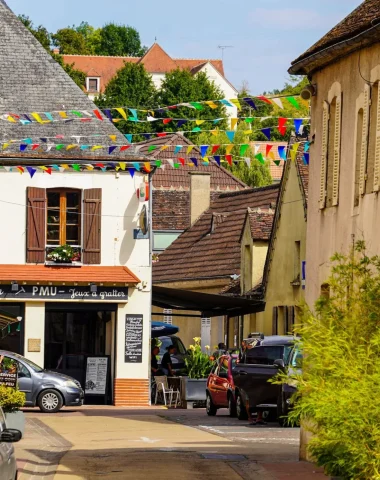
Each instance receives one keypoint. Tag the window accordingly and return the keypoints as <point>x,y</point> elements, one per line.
<point>163,240</point>
<point>275,321</point>
<point>93,84</point>
<point>364,141</point>
<point>330,155</point>
<point>267,355</point>
<point>297,260</point>
<point>168,318</point>
<point>63,218</point>
<point>358,154</point>
<point>247,280</point>
<point>370,171</point>
<point>166,341</point>
<point>22,371</point>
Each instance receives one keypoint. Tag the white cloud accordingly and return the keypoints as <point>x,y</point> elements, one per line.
<point>290,18</point>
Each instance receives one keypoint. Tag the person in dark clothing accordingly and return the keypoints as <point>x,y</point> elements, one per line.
<point>154,362</point>
<point>166,362</point>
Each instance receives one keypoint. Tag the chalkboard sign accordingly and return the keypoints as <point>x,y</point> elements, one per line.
<point>133,338</point>
<point>96,376</point>
<point>8,372</point>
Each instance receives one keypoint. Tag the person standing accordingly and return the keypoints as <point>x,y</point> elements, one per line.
<point>166,362</point>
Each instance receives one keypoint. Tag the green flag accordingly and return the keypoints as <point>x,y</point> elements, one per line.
<point>293,101</point>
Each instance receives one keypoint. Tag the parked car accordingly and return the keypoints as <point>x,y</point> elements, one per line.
<point>49,390</point>
<point>287,390</point>
<point>251,376</point>
<point>179,358</point>
<point>220,390</point>
<point>8,465</point>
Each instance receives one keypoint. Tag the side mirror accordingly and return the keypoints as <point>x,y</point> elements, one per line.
<point>10,435</point>
<point>279,363</point>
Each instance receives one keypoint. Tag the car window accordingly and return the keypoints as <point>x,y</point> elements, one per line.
<point>30,364</point>
<point>166,341</point>
<point>2,420</point>
<point>265,355</point>
<point>233,363</point>
<point>22,371</point>
<point>223,365</point>
<point>297,359</point>
<point>214,368</point>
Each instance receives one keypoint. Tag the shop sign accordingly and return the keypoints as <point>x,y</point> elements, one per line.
<point>8,372</point>
<point>65,292</point>
<point>133,338</point>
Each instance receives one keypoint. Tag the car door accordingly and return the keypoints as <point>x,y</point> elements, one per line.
<point>25,382</point>
<point>7,464</point>
<point>221,382</point>
<point>211,384</point>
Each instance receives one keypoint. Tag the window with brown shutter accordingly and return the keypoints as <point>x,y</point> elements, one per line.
<point>36,225</point>
<point>92,207</point>
<point>275,321</point>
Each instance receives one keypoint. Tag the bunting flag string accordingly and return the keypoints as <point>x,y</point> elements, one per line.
<point>44,144</point>
<point>128,113</point>
<point>146,167</point>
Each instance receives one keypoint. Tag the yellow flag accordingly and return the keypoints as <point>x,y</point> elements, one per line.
<point>122,113</point>
<point>233,123</point>
<point>205,159</point>
<point>11,119</point>
<point>122,165</point>
<point>64,166</point>
<point>229,149</point>
<point>96,147</point>
<point>271,155</point>
<point>211,104</point>
<point>89,167</point>
<point>293,151</point>
<point>247,132</point>
<point>37,117</point>
<point>63,114</point>
<point>189,149</point>
<point>5,145</point>
<point>164,147</point>
<point>43,167</point>
<point>236,102</point>
<point>199,122</point>
<point>214,132</point>
<point>70,147</point>
<point>113,138</point>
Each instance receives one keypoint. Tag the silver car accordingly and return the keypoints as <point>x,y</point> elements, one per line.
<point>8,465</point>
<point>43,388</point>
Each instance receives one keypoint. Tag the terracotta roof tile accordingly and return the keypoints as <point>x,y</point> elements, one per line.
<point>211,247</point>
<point>261,222</point>
<point>86,274</point>
<point>156,60</point>
<point>365,16</point>
<point>275,171</point>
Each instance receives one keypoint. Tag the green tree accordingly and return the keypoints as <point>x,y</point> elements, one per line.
<point>182,86</point>
<point>70,42</point>
<point>120,40</point>
<point>131,87</point>
<point>338,389</point>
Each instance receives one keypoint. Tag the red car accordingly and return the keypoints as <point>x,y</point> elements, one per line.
<point>220,390</point>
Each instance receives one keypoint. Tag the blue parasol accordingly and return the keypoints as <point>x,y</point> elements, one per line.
<point>160,329</point>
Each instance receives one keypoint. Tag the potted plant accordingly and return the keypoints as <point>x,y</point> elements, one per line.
<point>63,254</point>
<point>198,367</point>
<point>11,400</point>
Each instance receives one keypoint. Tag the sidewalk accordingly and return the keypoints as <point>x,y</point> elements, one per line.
<point>133,445</point>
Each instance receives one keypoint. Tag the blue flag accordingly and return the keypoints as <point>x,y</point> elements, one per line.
<point>306,158</point>
<point>111,149</point>
<point>231,135</point>
<point>282,152</point>
<point>307,146</point>
<point>181,122</point>
<point>250,102</point>
<point>31,171</point>
<point>108,113</point>
<point>128,136</point>
<point>147,135</point>
<point>136,166</point>
<point>204,149</point>
<point>217,159</point>
<point>226,103</point>
<point>133,111</point>
<point>267,132</point>
<point>23,147</point>
<point>177,149</point>
<point>131,171</point>
<point>194,160</point>
<point>297,124</point>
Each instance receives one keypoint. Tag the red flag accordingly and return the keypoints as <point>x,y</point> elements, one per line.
<point>163,134</point>
<point>265,99</point>
<point>35,146</point>
<point>48,170</point>
<point>124,147</point>
<point>182,160</point>
<point>167,120</point>
<point>98,114</point>
<point>172,107</point>
<point>229,159</point>
<point>21,169</point>
<point>215,148</point>
<point>147,166</point>
<point>100,165</point>
<point>282,125</point>
<point>86,119</point>
<point>268,149</point>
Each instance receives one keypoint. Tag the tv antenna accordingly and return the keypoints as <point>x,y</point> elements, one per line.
<point>223,47</point>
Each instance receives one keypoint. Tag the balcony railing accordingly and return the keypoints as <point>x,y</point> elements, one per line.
<point>55,256</point>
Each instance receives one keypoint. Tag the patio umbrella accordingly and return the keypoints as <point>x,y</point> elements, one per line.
<point>160,329</point>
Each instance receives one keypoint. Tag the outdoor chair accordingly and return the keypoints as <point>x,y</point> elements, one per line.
<point>168,395</point>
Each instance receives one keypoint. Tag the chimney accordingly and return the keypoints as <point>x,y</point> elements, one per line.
<point>199,194</point>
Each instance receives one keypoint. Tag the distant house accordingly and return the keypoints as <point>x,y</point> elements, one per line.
<point>207,256</point>
<point>171,187</point>
<point>101,69</point>
<point>273,156</point>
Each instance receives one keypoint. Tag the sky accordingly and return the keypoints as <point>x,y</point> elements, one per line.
<point>265,35</point>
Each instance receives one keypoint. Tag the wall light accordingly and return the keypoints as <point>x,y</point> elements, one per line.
<point>93,288</point>
<point>14,286</point>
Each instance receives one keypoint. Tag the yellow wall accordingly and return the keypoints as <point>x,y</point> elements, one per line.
<point>283,267</point>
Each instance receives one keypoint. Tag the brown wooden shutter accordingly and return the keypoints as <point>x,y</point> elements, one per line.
<point>36,225</point>
<point>92,209</point>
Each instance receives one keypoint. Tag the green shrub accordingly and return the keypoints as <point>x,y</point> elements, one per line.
<point>11,399</point>
<point>339,387</point>
<point>198,364</point>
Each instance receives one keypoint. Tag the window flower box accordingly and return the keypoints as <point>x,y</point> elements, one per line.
<point>63,255</point>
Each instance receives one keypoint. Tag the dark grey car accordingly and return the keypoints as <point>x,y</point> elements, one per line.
<point>8,464</point>
<point>48,390</point>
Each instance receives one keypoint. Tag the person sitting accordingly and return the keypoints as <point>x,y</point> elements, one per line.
<point>222,349</point>
<point>166,362</point>
<point>155,370</point>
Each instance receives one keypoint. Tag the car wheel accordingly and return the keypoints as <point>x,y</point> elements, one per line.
<point>210,407</point>
<point>231,406</point>
<point>50,401</point>
<point>241,411</point>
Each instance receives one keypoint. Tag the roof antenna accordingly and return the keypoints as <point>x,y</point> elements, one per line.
<point>223,47</point>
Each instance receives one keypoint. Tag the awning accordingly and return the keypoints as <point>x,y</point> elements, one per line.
<point>210,305</point>
<point>8,324</point>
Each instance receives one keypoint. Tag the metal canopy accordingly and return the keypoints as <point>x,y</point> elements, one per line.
<point>210,305</point>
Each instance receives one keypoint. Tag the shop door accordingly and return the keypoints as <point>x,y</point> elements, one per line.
<point>13,340</point>
<point>72,336</point>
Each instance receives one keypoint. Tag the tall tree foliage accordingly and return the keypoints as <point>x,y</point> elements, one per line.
<point>120,40</point>
<point>44,37</point>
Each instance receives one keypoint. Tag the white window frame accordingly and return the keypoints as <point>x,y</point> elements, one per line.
<point>88,84</point>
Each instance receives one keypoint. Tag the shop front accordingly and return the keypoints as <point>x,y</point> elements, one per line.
<point>82,330</point>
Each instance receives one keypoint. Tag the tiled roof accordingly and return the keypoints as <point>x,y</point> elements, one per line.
<point>81,275</point>
<point>275,171</point>
<point>364,17</point>
<point>211,247</point>
<point>156,60</point>
<point>260,222</point>
<point>31,81</point>
<point>169,177</point>
<point>171,209</point>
